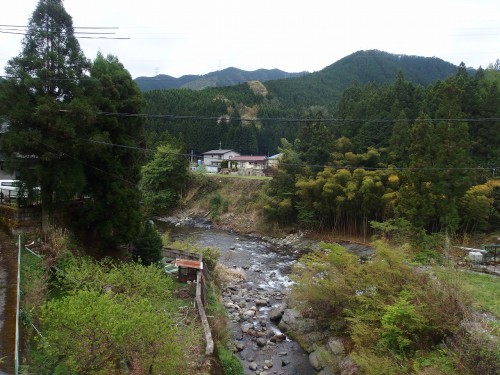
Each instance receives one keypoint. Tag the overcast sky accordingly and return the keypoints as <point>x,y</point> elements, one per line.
<point>200,36</point>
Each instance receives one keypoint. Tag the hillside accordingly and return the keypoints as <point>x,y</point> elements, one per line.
<point>231,203</point>
<point>226,77</point>
<point>326,86</point>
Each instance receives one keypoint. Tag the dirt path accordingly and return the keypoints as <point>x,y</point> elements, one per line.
<point>8,294</point>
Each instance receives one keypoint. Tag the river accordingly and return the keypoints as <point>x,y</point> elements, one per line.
<point>267,270</point>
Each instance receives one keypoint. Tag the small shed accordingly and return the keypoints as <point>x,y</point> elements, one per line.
<point>188,269</point>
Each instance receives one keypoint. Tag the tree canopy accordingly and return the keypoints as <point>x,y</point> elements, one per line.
<point>57,137</point>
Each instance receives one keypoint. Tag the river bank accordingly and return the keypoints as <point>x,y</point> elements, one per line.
<point>269,336</point>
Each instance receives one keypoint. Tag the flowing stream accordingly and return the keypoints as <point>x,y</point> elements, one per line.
<point>262,347</point>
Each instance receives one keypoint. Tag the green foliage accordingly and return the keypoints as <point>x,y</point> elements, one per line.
<point>113,213</point>
<point>217,205</point>
<point>210,257</point>
<point>440,361</point>
<point>478,352</point>
<point>148,246</point>
<point>485,290</point>
<point>164,179</point>
<point>34,287</point>
<point>52,101</point>
<point>390,312</point>
<point>230,363</point>
<point>35,97</point>
<point>401,325</point>
<point>109,314</point>
<point>91,331</point>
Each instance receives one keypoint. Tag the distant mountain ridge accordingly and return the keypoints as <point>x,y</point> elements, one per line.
<point>226,77</point>
<point>372,66</point>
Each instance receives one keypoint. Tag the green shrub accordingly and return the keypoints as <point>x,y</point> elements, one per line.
<point>230,363</point>
<point>148,246</point>
<point>210,257</point>
<point>479,353</point>
<point>401,325</point>
<point>217,204</point>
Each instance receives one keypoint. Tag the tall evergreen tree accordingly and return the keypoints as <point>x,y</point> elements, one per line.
<point>57,140</point>
<point>43,82</point>
<point>110,155</point>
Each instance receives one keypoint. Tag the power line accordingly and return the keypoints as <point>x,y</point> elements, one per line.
<point>393,168</point>
<point>21,30</point>
<point>86,164</point>
<point>296,119</point>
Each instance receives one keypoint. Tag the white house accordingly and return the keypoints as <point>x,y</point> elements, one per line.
<point>251,162</point>
<point>272,161</point>
<point>213,158</point>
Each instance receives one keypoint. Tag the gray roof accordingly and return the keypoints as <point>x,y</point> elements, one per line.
<point>217,152</point>
<point>277,156</point>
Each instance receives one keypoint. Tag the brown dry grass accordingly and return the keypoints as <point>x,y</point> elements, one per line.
<point>226,275</point>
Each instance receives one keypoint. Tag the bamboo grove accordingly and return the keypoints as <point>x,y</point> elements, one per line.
<point>399,151</point>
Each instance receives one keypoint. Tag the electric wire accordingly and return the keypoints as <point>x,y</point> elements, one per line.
<point>86,164</point>
<point>303,165</point>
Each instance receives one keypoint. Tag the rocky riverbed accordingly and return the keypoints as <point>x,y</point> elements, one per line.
<point>255,298</point>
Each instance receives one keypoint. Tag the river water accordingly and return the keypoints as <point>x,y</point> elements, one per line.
<point>267,270</point>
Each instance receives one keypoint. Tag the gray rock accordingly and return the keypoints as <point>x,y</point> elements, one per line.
<point>288,319</point>
<point>268,363</point>
<point>336,346</point>
<point>348,367</point>
<point>326,371</point>
<point>261,302</point>
<point>245,327</point>
<point>248,314</point>
<point>278,338</point>
<point>240,346</point>
<point>314,360</point>
<point>261,341</point>
<point>311,341</point>
<point>276,314</point>
<point>253,366</point>
<point>284,363</point>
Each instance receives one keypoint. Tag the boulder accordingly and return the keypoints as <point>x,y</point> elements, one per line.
<point>292,321</point>
<point>249,314</point>
<point>275,314</point>
<point>288,319</point>
<point>261,341</point>
<point>278,338</point>
<point>261,302</point>
<point>348,367</point>
<point>335,346</point>
<point>312,340</point>
<point>315,361</point>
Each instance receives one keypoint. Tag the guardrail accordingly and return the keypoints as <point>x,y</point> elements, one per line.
<point>200,302</point>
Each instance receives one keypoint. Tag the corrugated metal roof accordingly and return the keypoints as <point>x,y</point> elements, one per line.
<point>249,158</point>
<point>189,263</point>
<point>217,152</point>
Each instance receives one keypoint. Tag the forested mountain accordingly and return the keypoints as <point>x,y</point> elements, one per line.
<point>326,86</point>
<point>316,94</point>
<point>220,78</point>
